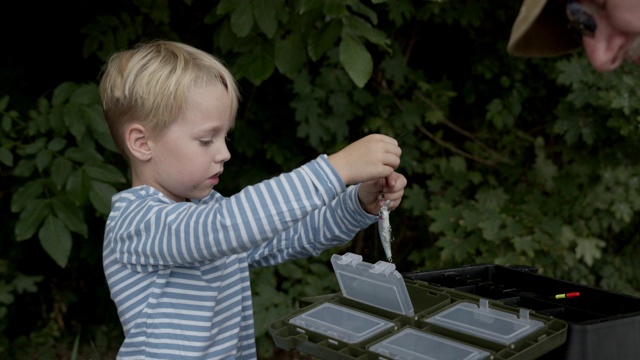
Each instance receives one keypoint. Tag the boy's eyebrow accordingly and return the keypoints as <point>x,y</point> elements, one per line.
<point>212,129</point>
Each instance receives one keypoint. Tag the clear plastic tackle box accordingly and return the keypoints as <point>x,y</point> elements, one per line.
<point>379,314</point>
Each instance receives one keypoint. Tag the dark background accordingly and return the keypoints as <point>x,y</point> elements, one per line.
<point>42,46</point>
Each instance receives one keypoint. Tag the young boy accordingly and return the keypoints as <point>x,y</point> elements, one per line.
<point>176,252</point>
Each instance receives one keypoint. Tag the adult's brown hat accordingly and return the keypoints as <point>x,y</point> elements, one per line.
<point>540,30</point>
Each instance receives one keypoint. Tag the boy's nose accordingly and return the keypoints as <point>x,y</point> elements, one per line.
<point>223,154</point>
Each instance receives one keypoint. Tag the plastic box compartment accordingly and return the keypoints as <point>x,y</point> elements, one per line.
<point>379,314</point>
<point>410,343</point>
<point>601,324</point>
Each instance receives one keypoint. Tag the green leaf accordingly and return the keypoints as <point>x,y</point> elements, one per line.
<point>55,239</point>
<point>495,112</point>
<point>6,157</point>
<point>525,244</point>
<point>264,12</point>
<point>491,226</point>
<point>24,168</point>
<point>455,248</point>
<point>35,146</point>
<point>61,168</point>
<point>242,18</point>
<point>289,54</point>
<point>335,8</point>
<point>622,211</point>
<point>228,6</point>
<point>6,122</point>
<point>324,39</point>
<point>4,101</point>
<point>394,68</point>
<point>360,8</point>
<point>83,155</point>
<point>98,125</point>
<point>62,93</point>
<point>85,95</point>
<point>25,194</point>
<point>545,169</point>
<point>444,219</point>
<point>492,198</point>
<point>359,27</point>
<point>256,67</point>
<point>415,200</point>
<point>75,121</point>
<point>30,218</point>
<point>588,249</point>
<point>292,268</point>
<point>225,38</point>
<point>56,119</point>
<point>458,164</point>
<point>100,196</point>
<point>76,342</point>
<point>356,59</point>
<point>78,186</point>
<point>26,283</point>
<point>106,141</point>
<point>43,159</point>
<point>471,217</point>
<point>319,269</point>
<point>104,172</point>
<point>57,144</point>
<point>70,214</point>
<point>95,118</point>
<point>309,5</point>
<point>6,297</point>
<point>41,120</point>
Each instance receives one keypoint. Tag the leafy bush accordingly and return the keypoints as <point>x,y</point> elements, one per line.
<point>509,161</point>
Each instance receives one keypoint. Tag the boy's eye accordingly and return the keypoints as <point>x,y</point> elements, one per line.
<point>205,142</point>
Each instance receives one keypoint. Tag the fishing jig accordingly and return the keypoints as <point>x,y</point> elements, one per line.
<point>384,228</point>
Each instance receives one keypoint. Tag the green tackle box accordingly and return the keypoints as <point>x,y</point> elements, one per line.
<point>379,314</point>
<point>601,324</point>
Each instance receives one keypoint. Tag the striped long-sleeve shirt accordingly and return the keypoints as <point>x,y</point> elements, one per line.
<point>179,272</point>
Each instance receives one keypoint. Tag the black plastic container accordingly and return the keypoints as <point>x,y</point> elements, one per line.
<point>602,324</point>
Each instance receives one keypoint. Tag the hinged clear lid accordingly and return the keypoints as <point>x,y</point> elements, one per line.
<point>482,321</point>
<point>378,284</point>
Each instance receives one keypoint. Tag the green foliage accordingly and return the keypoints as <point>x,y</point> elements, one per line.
<point>509,161</point>
<point>273,35</point>
<point>61,169</point>
<point>13,284</point>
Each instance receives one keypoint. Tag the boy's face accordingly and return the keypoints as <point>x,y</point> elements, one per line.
<point>188,157</point>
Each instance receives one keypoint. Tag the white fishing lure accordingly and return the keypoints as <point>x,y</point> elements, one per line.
<point>384,227</point>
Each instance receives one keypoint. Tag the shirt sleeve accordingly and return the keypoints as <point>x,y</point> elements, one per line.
<point>148,231</point>
<point>327,227</point>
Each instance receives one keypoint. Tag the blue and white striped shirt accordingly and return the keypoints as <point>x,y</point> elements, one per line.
<point>179,272</point>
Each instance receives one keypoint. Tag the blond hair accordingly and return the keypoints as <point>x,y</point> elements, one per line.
<point>149,84</point>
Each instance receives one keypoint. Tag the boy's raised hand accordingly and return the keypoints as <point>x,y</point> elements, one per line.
<point>371,158</point>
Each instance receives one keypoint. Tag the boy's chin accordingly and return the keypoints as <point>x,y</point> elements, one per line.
<point>200,194</point>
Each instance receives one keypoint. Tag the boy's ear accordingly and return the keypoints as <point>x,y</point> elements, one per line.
<point>137,141</point>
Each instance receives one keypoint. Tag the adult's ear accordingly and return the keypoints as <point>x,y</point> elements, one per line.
<point>137,141</point>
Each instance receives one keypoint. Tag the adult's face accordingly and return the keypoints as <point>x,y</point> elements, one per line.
<point>617,35</point>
